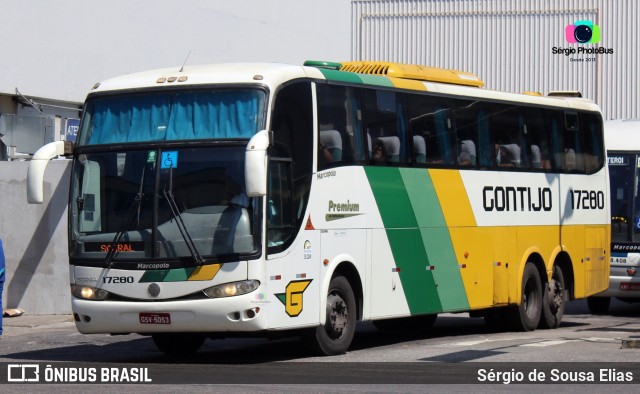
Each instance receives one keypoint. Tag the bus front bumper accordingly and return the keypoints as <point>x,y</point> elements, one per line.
<point>233,314</point>
<point>624,282</point>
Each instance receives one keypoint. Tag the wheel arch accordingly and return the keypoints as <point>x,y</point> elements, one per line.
<point>563,261</point>
<point>347,269</point>
<point>537,260</point>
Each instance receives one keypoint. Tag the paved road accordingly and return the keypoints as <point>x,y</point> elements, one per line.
<point>453,351</point>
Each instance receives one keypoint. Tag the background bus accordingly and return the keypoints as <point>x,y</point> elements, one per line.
<point>273,199</point>
<point>623,150</point>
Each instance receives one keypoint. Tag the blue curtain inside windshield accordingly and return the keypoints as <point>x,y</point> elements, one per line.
<point>175,116</point>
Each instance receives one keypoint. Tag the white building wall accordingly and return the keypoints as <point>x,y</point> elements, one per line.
<point>509,44</point>
<point>34,239</point>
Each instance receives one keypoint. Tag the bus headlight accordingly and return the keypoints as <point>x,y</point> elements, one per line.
<point>231,289</point>
<point>88,293</point>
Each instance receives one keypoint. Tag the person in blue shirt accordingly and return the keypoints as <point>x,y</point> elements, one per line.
<point>1,283</point>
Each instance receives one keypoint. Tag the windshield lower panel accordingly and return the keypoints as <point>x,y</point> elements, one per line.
<point>185,204</point>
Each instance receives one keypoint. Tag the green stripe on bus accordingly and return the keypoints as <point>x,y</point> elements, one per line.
<point>341,76</point>
<point>173,275</point>
<point>376,80</point>
<point>423,197</point>
<point>405,239</point>
<point>391,195</point>
<point>417,280</point>
<point>436,239</point>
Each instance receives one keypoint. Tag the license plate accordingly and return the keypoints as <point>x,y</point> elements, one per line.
<point>618,260</point>
<point>630,286</point>
<point>155,318</point>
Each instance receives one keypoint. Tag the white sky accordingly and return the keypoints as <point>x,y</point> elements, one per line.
<point>59,49</point>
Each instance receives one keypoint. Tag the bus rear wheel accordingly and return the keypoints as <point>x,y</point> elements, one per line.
<point>526,316</point>
<point>335,336</point>
<point>553,300</point>
<point>178,344</point>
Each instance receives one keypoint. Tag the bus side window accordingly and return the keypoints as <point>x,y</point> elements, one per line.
<point>384,116</point>
<point>572,150</point>
<point>289,184</point>
<point>340,140</point>
<point>330,146</point>
<point>467,153</point>
<point>419,149</point>
<point>429,126</point>
<point>593,144</point>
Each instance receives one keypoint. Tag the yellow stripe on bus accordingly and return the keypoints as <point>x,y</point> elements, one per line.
<point>453,198</point>
<point>206,272</point>
<point>401,83</point>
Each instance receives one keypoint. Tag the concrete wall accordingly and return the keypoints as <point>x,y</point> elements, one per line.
<point>35,240</point>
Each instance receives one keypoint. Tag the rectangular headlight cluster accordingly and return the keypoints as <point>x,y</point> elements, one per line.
<point>88,293</point>
<point>231,289</point>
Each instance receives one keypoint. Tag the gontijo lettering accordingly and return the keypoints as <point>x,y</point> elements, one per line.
<point>521,198</point>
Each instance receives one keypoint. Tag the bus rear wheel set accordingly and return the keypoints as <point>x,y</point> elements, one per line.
<point>542,304</point>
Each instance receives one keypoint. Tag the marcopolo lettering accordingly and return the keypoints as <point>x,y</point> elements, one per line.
<point>521,198</point>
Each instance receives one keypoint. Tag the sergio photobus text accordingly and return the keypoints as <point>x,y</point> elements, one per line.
<point>581,51</point>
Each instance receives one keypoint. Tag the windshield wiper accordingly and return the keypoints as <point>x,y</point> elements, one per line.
<point>124,226</point>
<point>175,212</point>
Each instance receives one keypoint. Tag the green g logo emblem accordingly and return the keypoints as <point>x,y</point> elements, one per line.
<point>292,299</point>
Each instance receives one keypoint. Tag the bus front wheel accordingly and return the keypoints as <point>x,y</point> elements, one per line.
<point>335,336</point>
<point>526,315</point>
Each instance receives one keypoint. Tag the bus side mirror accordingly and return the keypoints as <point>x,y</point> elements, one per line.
<point>255,166</point>
<point>38,164</point>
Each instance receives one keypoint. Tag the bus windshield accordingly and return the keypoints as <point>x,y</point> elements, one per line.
<point>173,115</point>
<point>625,204</point>
<point>182,202</point>
<point>135,197</point>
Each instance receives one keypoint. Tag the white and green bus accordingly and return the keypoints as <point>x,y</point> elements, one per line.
<point>624,171</point>
<point>268,199</point>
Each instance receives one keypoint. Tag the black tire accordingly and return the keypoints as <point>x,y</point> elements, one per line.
<point>178,344</point>
<point>526,316</point>
<point>598,305</point>
<point>413,323</point>
<point>553,300</point>
<point>335,336</point>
